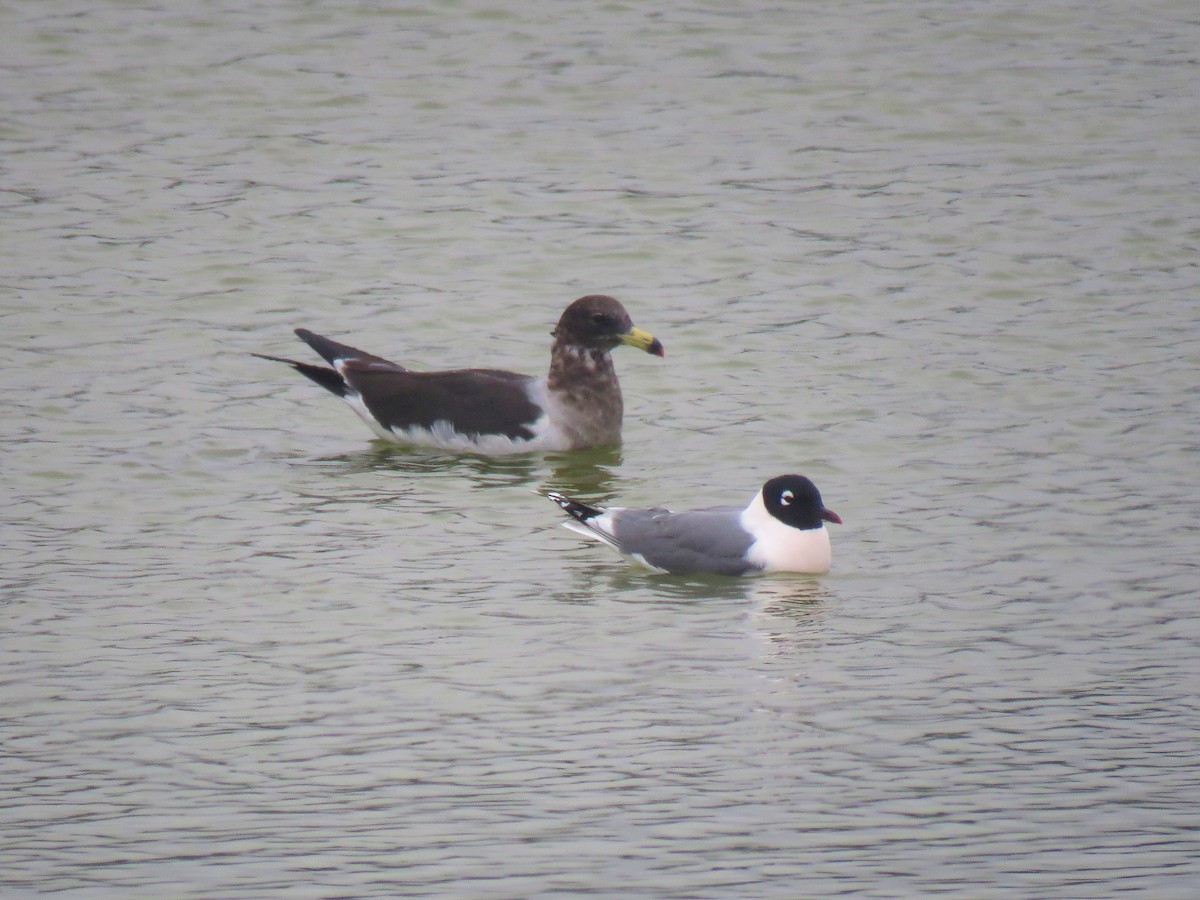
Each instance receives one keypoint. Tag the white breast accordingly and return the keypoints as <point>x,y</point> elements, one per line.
<point>782,548</point>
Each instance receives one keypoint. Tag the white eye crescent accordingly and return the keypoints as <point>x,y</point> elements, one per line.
<point>786,498</point>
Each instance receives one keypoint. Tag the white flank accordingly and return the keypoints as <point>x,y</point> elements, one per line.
<point>641,560</point>
<point>598,528</point>
<point>356,404</point>
<point>781,548</point>
<point>443,436</point>
<point>546,435</point>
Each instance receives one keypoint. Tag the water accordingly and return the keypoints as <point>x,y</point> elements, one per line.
<point>941,257</point>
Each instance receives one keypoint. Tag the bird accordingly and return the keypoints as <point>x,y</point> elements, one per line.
<point>490,411</point>
<point>781,530</point>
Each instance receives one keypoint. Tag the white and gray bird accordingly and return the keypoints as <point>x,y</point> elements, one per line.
<point>781,530</point>
<point>576,404</point>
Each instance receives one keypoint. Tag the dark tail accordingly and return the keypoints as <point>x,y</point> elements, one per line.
<point>326,378</point>
<point>574,508</point>
<point>332,351</point>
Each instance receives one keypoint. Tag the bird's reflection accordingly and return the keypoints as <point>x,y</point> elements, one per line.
<point>681,588</point>
<point>620,582</point>
<point>790,612</point>
<point>381,457</point>
<point>590,474</point>
<point>787,598</point>
<point>788,595</point>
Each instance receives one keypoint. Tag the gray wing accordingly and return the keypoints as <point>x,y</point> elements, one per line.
<point>702,540</point>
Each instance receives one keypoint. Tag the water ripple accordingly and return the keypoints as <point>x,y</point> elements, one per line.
<point>944,265</point>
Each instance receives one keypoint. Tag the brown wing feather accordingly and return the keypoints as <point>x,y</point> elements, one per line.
<point>473,401</point>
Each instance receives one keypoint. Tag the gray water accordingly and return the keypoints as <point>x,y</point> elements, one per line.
<point>941,257</point>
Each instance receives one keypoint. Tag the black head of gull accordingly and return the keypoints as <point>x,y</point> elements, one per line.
<point>577,404</point>
<point>781,530</point>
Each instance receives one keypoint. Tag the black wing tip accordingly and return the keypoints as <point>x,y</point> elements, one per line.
<point>280,359</point>
<point>329,379</point>
<point>573,508</point>
<point>334,352</point>
<point>324,347</point>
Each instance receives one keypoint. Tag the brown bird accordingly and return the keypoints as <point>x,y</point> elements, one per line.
<point>576,404</point>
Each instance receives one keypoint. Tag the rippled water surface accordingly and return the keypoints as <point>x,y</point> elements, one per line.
<point>942,257</point>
